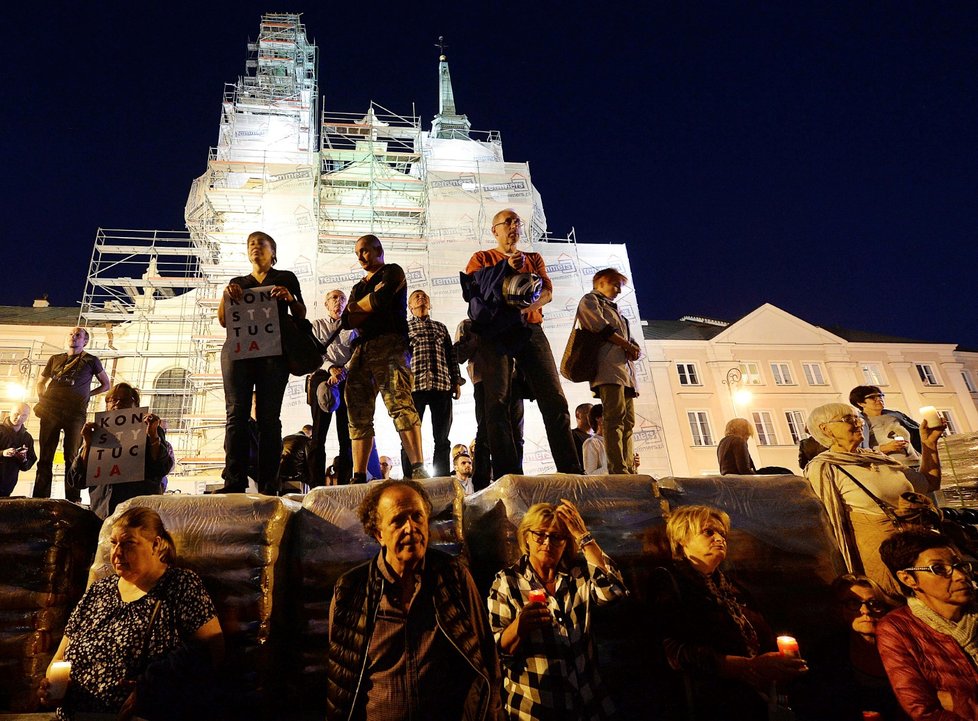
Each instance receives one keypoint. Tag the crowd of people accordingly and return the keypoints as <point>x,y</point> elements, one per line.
<point>408,631</point>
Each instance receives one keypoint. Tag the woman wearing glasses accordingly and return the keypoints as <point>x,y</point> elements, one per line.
<point>847,675</point>
<point>890,432</point>
<point>861,488</point>
<point>930,647</point>
<point>540,613</point>
<point>726,650</point>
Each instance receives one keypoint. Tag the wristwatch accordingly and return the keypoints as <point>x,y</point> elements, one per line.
<point>585,539</point>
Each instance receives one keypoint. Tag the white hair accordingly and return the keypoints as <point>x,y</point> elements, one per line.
<point>824,414</point>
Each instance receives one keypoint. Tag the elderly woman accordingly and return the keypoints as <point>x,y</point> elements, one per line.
<point>892,433</point>
<point>128,629</point>
<point>540,614</point>
<point>706,629</point>
<point>157,452</point>
<point>265,377</point>
<point>847,675</point>
<point>930,647</point>
<point>732,453</point>
<point>862,488</point>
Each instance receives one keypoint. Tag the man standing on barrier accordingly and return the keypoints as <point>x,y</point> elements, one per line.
<point>63,392</point>
<point>381,359</point>
<point>497,280</point>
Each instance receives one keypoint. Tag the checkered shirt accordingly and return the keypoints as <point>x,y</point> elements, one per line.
<point>556,668</point>
<point>433,359</point>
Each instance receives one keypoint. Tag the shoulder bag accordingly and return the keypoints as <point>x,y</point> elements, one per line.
<point>580,361</point>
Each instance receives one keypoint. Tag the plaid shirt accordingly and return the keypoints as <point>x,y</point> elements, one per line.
<point>556,668</point>
<point>433,359</point>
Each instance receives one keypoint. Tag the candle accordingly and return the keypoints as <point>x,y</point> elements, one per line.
<point>538,595</point>
<point>788,646</point>
<point>58,674</point>
<point>933,418</point>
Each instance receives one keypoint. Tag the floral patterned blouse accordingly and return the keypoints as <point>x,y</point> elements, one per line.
<point>108,636</point>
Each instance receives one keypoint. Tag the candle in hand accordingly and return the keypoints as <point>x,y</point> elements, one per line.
<point>538,595</point>
<point>933,418</point>
<point>788,646</point>
<point>58,674</point>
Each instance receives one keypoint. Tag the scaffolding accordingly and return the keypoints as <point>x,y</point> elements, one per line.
<point>372,180</point>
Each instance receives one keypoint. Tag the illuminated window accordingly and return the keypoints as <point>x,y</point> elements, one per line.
<point>764,425</point>
<point>172,396</point>
<point>781,373</point>
<point>927,375</point>
<point>813,374</point>
<point>952,424</point>
<point>699,428</point>
<point>687,374</point>
<point>969,382</point>
<point>751,373</point>
<point>796,425</point>
<point>873,374</point>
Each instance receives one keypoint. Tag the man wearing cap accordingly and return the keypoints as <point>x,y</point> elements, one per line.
<point>529,348</point>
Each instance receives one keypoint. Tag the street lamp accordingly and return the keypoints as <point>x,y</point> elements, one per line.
<point>738,396</point>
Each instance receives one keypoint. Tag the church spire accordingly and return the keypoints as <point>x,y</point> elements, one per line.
<point>447,123</point>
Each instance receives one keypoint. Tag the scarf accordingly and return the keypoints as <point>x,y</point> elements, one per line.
<point>726,595</point>
<point>964,632</point>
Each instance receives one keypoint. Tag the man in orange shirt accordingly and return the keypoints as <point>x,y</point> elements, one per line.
<point>531,351</point>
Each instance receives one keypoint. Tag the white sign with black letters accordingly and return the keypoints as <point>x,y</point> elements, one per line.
<point>118,450</point>
<point>253,325</point>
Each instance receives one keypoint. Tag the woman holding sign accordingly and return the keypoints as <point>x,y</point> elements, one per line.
<point>155,450</point>
<point>252,363</point>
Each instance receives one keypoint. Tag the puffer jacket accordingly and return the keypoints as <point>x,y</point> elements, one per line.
<point>460,616</point>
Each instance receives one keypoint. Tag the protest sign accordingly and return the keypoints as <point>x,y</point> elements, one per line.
<point>118,450</point>
<point>252,325</point>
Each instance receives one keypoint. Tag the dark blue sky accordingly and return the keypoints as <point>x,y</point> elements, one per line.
<point>818,157</point>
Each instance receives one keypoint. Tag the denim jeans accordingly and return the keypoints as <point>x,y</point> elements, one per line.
<point>440,403</point>
<point>536,361</point>
<point>266,378</point>
<point>51,426</point>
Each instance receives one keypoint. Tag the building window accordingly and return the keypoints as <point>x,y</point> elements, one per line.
<point>927,375</point>
<point>796,425</point>
<point>172,397</point>
<point>12,363</point>
<point>782,374</point>
<point>873,374</point>
<point>764,425</point>
<point>813,374</point>
<point>687,374</point>
<point>969,382</point>
<point>751,373</point>
<point>699,428</point>
<point>952,424</point>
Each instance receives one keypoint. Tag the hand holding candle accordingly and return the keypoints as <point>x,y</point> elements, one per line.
<point>933,418</point>
<point>538,595</point>
<point>58,675</point>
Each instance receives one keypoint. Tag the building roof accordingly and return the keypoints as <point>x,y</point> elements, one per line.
<point>21,315</point>
<point>687,328</point>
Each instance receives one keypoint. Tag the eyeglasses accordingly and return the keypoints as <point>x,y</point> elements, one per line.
<point>945,570</point>
<point>872,605</point>
<point>854,421</point>
<point>875,397</point>
<point>542,537</point>
<point>518,222</point>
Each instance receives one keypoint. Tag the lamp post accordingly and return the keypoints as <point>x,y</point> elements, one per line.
<point>740,396</point>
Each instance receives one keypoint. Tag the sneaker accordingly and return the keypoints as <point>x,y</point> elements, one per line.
<point>418,472</point>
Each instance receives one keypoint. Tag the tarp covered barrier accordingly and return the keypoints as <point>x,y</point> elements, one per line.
<point>47,549</point>
<point>237,544</point>
<point>329,541</point>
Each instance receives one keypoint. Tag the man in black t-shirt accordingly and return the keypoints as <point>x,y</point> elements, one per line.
<point>381,359</point>
<point>63,391</point>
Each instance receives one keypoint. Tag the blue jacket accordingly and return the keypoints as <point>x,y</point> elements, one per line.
<point>913,429</point>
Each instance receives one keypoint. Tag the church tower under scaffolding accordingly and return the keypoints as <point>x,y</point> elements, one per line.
<point>316,182</point>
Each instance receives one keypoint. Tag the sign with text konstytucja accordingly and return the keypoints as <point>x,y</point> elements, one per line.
<point>118,450</point>
<point>253,325</point>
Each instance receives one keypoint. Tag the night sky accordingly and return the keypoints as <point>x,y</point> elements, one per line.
<point>818,157</point>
